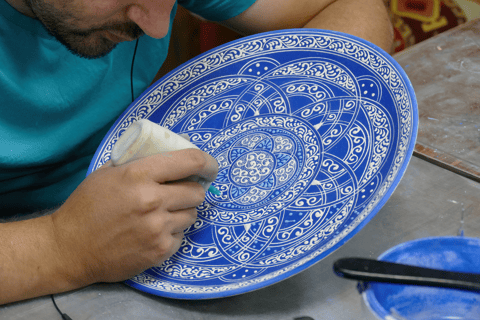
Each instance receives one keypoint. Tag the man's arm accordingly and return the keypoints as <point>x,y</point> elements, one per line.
<point>367,19</point>
<point>117,223</point>
<point>29,260</point>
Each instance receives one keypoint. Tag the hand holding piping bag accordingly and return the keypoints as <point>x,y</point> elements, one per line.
<point>145,138</point>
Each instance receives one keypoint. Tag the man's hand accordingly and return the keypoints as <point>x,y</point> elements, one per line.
<point>117,223</point>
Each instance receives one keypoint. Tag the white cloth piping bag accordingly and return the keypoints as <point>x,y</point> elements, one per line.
<point>145,138</point>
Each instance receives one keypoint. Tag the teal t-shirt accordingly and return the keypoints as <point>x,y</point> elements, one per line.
<point>55,107</point>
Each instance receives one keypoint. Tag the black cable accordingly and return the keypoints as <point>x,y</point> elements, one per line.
<point>64,315</point>
<point>131,70</point>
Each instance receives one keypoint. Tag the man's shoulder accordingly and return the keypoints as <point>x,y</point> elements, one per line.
<point>216,10</point>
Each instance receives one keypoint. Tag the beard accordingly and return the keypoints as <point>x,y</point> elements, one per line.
<point>85,43</point>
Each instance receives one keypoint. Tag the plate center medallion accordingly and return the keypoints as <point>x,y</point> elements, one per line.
<point>252,168</point>
<point>265,163</point>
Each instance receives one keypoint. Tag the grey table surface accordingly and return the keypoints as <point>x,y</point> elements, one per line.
<point>422,205</point>
<point>445,74</point>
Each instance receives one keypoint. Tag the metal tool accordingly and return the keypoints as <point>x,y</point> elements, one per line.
<point>382,271</point>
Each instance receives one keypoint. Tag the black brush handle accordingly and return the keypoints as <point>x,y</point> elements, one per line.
<point>381,271</point>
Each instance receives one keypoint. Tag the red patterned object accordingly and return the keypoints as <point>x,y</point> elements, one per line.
<point>418,20</point>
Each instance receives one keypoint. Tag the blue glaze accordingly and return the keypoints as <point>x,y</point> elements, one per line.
<point>310,128</point>
<point>428,303</point>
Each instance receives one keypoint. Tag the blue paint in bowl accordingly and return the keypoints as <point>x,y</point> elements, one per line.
<point>407,302</point>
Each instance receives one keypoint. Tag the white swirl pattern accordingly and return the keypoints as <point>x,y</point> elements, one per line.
<point>310,130</point>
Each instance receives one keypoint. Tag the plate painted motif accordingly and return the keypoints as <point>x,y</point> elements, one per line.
<point>312,131</point>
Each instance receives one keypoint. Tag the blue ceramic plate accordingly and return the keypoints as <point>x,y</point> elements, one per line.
<point>312,131</point>
<point>398,302</point>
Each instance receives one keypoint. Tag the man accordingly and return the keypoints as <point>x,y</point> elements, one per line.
<point>64,79</point>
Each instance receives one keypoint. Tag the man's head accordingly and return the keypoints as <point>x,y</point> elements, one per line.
<point>92,28</point>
